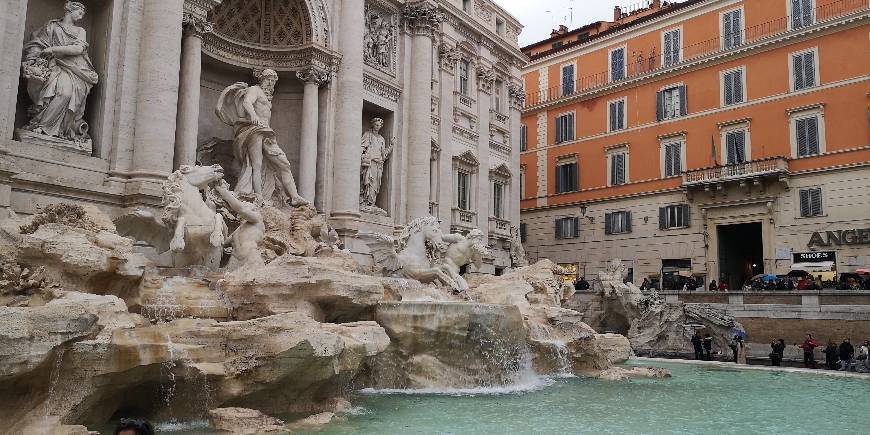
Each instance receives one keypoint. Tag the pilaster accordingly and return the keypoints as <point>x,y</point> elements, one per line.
<point>485,81</point>
<point>12,18</point>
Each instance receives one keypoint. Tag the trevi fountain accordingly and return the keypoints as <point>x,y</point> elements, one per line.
<point>227,283</point>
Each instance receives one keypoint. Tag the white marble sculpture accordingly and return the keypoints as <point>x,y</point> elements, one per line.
<point>59,77</point>
<point>246,238</point>
<point>424,253</point>
<point>375,152</point>
<point>613,281</point>
<point>518,252</point>
<point>265,168</point>
<point>378,40</point>
<point>188,226</point>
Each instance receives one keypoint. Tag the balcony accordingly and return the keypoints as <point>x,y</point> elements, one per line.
<point>754,170</point>
<point>499,228</point>
<point>464,103</point>
<point>498,119</point>
<point>463,220</point>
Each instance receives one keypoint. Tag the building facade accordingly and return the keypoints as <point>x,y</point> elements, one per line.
<point>714,138</point>
<point>443,79</point>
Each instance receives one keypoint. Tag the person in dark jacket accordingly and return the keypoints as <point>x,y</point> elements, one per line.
<point>713,286</point>
<point>809,345</point>
<point>708,347</point>
<point>846,352</point>
<point>777,349</point>
<point>697,343</point>
<point>581,284</point>
<point>831,355</point>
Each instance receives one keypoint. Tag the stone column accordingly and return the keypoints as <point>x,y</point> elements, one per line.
<point>349,105</point>
<point>448,58</point>
<point>12,19</point>
<point>312,77</point>
<point>517,96</point>
<point>422,19</point>
<point>157,96</point>
<point>187,130</point>
<point>485,82</point>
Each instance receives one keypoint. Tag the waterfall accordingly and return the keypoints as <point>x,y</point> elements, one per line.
<point>54,377</point>
<point>164,307</point>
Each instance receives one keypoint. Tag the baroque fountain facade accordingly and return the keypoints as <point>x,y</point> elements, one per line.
<point>242,233</point>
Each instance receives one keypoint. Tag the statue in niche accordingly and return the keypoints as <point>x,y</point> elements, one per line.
<point>375,153</point>
<point>59,77</point>
<point>265,170</point>
<point>378,41</point>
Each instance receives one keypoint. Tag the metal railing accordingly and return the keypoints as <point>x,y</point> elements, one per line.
<point>754,168</point>
<point>639,63</point>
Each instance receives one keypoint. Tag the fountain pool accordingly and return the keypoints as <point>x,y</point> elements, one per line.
<point>697,400</point>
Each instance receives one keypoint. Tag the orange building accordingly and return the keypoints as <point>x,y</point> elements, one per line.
<point>715,138</point>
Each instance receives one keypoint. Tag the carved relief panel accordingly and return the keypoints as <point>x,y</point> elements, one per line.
<point>381,38</point>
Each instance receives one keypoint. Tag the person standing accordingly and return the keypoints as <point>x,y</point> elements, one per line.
<point>831,355</point>
<point>697,343</point>
<point>713,286</point>
<point>777,349</point>
<point>846,352</point>
<point>708,347</point>
<point>809,345</point>
<point>741,351</point>
<point>864,357</point>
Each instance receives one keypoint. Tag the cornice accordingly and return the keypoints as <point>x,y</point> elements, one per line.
<point>458,20</point>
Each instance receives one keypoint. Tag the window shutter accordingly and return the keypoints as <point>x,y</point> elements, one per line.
<point>608,224</point>
<point>736,28</point>
<point>816,201</point>
<point>669,47</point>
<point>613,170</point>
<point>621,114</point>
<point>576,227</point>
<point>796,19</point>
<point>558,229</point>
<point>660,105</point>
<point>737,77</point>
<point>613,110</point>
<point>807,12</point>
<point>559,129</point>
<point>802,139</point>
<point>620,168</point>
<point>809,69</point>
<point>627,221</point>
<point>575,177</point>
<point>669,161</point>
<point>798,68</point>
<point>813,136</point>
<point>729,88</point>
<point>678,157</point>
<point>741,146</point>
<point>686,215</point>
<point>805,203</point>
<point>663,218</point>
<point>726,28</point>
<point>731,148</point>
<point>571,125</point>
<point>684,106</point>
<point>676,46</point>
<point>523,233</point>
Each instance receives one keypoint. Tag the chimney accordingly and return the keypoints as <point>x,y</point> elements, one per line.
<point>563,29</point>
<point>656,4</point>
<point>617,13</point>
<point>554,33</point>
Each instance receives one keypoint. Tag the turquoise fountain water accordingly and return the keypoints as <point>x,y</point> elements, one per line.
<point>696,400</point>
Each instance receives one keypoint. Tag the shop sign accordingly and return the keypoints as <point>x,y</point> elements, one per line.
<point>814,257</point>
<point>840,238</point>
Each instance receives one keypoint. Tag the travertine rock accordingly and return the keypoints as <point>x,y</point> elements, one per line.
<point>666,327</point>
<point>322,287</point>
<point>243,421</point>
<point>621,374</point>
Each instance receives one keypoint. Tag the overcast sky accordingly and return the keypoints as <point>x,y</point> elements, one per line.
<point>540,17</point>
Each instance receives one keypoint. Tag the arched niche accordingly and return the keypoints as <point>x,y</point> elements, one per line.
<point>97,23</point>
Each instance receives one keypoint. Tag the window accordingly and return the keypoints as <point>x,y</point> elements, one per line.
<point>671,103</point>
<point>617,64</point>
<point>811,202</point>
<point>616,115</point>
<point>671,48</point>
<point>567,79</point>
<point>524,138</point>
<point>804,70</point>
<point>674,216</point>
<point>566,177</point>
<point>565,127</point>
<point>557,44</point>
<point>496,92</point>
<point>567,228</point>
<point>466,5</point>
<point>733,87</point>
<point>463,190</point>
<point>523,233</point>
<point>735,147</point>
<point>807,136</point>
<point>464,69</point>
<point>732,29</point>
<point>618,168</point>
<point>618,222</point>
<point>801,13</point>
<point>499,26</point>
<point>498,199</point>
<point>673,159</point>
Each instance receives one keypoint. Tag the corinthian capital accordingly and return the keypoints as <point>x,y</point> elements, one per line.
<point>517,94</point>
<point>485,79</point>
<point>448,56</point>
<point>195,25</point>
<point>422,18</point>
<point>314,75</point>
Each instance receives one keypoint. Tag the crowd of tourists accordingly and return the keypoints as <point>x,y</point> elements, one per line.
<point>843,357</point>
